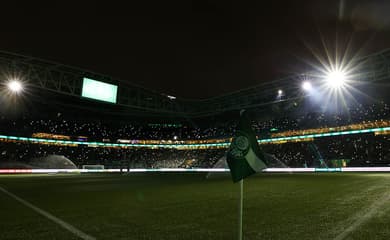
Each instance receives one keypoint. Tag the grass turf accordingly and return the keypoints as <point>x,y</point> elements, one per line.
<point>188,206</point>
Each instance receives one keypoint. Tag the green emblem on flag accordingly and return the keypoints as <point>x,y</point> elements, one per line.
<point>239,147</point>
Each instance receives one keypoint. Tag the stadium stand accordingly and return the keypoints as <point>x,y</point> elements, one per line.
<point>97,130</point>
<point>356,150</point>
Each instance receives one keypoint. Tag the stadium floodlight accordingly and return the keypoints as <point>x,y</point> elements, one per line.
<point>336,79</point>
<point>15,86</point>
<point>306,86</point>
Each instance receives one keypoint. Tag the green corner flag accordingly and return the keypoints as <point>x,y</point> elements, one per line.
<point>244,156</point>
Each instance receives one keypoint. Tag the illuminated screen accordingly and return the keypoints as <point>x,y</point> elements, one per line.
<point>99,90</point>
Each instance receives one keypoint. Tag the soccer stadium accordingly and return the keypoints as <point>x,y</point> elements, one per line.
<point>140,168</point>
<point>86,155</point>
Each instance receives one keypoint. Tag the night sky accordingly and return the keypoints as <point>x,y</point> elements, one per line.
<point>195,49</point>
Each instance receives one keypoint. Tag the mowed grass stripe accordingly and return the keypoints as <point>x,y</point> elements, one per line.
<point>187,206</point>
<point>365,216</point>
<point>49,216</point>
<point>19,222</point>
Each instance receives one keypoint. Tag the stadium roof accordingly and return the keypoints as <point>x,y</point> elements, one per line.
<point>196,49</point>
<point>58,85</point>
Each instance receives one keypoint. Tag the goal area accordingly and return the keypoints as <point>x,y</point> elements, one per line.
<point>93,166</point>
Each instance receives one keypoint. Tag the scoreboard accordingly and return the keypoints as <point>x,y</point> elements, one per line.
<point>99,90</point>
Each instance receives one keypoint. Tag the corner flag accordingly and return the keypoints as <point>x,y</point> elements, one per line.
<point>244,156</point>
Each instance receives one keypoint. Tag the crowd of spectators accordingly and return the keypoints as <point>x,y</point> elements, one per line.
<point>357,150</point>
<point>360,150</point>
<point>351,115</point>
<point>112,157</point>
<point>97,130</point>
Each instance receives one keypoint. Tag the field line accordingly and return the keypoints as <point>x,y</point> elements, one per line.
<point>53,218</point>
<point>364,217</point>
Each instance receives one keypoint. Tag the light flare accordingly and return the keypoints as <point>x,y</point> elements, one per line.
<point>15,86</point>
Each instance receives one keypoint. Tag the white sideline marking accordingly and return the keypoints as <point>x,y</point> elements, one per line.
<point>373,210</point>
<point>60,222</point>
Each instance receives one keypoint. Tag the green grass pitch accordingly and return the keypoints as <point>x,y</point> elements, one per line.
<point>188,206</point>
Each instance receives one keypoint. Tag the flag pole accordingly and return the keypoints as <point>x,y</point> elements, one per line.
<point>241,203</point>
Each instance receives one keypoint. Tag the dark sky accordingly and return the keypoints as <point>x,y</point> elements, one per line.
<point>194,49</point>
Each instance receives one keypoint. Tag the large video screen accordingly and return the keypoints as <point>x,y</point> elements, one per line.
<point>99,90</point>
